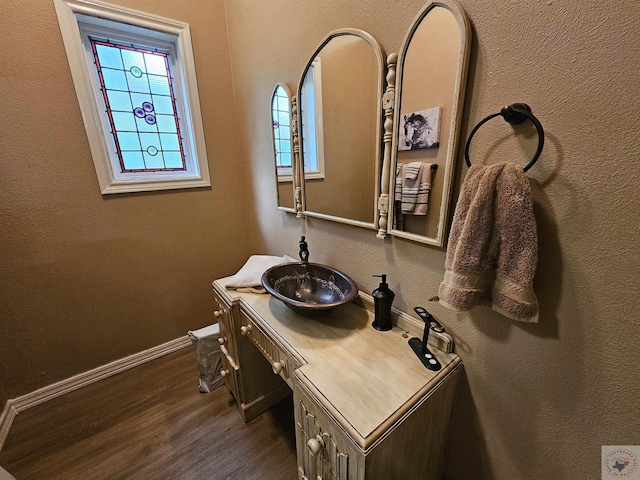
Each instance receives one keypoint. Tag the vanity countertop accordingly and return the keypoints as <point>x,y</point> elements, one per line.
<point>369,379</point>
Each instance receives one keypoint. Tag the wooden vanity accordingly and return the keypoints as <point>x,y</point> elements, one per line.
<point>365,407</point>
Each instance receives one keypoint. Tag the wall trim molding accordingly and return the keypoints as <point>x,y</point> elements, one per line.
<point>6,420</point>
<point>25,402</point>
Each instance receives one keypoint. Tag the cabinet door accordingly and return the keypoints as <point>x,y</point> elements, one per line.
<point>324,453</point>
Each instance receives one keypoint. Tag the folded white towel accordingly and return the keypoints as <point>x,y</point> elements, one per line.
<point>249,277</point>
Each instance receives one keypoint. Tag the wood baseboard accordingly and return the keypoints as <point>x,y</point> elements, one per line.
<point>6,420</point>
<point>24,402</point>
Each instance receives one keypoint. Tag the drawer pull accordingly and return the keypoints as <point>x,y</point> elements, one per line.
<point>218,313</point>
<point>224,372</point>
<point>315,445</point>
<point>245,329</point>
<point>277,367</point>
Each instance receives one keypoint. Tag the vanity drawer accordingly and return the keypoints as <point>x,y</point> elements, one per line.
<point>323,450</point>
<point>229,372</point>
<point>222,315</point>
<point>281,363</point>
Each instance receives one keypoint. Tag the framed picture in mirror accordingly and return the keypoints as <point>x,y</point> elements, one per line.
<point>420,129</point>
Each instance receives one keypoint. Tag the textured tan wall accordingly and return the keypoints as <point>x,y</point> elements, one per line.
<point>87,279</point>
<point>285,194</point>
<point>537,401</point>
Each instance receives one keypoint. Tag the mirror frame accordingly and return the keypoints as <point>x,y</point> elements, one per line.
<point>298,155</point>
<point>285,87</point>
<point>464,28</point>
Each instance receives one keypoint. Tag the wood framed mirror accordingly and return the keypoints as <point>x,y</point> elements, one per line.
<point>431,81</point>
<point>282,141</point>
<point>340,126</point>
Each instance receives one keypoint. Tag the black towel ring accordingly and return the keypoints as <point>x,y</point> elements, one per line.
<point>514,114</point>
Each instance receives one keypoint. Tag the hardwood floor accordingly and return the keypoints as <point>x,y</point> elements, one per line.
<point>151,422</point>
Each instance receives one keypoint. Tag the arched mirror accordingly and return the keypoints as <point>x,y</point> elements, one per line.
<point>340,122</point>
<point>431,79</point>
<point>283,146</point>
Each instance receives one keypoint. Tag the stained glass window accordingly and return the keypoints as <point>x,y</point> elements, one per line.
<point>137,89</point>
<point>280,114</point>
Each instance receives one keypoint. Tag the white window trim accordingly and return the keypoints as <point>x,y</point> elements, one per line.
<point>163,30</point>
<point>285,175</point>
<point>316,71</point>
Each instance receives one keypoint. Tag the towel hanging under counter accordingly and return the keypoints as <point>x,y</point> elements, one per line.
<point>514,114</point>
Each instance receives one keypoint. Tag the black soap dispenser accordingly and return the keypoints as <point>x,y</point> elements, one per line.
<point>382,299</point>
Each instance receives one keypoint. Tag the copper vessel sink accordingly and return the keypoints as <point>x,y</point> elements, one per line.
<point>309,288</point>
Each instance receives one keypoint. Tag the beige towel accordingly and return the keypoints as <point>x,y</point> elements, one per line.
<point>400,174</point>
<point>492,252</point>
<point>413,186</point>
